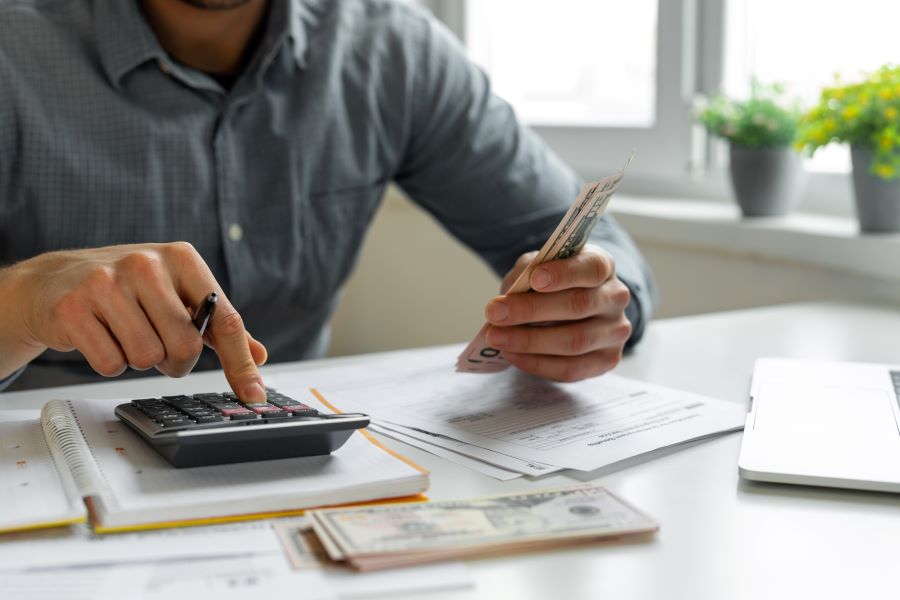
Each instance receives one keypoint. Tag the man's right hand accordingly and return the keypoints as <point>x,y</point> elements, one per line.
<point>121,306</point>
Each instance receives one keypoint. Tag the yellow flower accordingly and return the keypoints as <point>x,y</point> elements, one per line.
<point>838,93</point>
<point>891,113</point>
<point>885,142</point>
<point>819,136</point>
<point>885,93</point>
<point>884,171</point>
<point>851,112</point>
<point>830,124</point>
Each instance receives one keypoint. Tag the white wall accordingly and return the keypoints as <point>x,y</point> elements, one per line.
<point>706,258</point>
<point>697,281</point>
<point>414,286</point>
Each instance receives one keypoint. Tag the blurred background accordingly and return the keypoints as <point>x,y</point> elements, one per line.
<point>596,79</point>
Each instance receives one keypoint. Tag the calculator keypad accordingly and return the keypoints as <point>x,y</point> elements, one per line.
<point>204,409</point>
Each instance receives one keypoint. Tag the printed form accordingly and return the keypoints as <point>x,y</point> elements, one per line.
<point>585,425</point>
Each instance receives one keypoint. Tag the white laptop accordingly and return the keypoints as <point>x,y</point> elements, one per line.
<point>831,424</point>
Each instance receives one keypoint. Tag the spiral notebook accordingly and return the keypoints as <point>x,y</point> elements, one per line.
<point>79,463</point>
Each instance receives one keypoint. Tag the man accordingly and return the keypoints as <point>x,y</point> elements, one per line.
<point>153,151</point>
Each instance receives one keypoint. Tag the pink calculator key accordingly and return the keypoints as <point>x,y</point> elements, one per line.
<point>297,408</point>
<point>234,411</point>
<point>262,408</point>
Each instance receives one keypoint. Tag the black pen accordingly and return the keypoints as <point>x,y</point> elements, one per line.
<point>205,312</point>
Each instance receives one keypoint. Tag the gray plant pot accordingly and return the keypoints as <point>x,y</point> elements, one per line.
<point>766,181</point>
<point>877,200</point>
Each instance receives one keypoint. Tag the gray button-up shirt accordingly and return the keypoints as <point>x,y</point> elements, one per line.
<point>104,139</point>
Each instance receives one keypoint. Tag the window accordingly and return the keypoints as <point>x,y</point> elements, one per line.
<point>598,79</point>
<point>598,70</point>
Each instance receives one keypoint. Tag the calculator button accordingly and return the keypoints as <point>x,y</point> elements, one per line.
<point>171,415</point>
<point>180,398</point>
<point>301,410</point>
<point>262,408</point>
<point>208,419</point>
<point>222,405</point>
<point>183,402</point>
<point>150,407</point>
<point>175,422</point>
<point>200,412</point>
<point>243,416</point>
<point>228,412</point>
<point>283,401</point>
<point>165,416</point>
<point>276,414</point>
<point>143,402</point>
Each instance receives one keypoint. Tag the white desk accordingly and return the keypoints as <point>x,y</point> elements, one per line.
<point>720,537</point>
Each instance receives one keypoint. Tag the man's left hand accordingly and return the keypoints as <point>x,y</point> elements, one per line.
<point>571,326</point>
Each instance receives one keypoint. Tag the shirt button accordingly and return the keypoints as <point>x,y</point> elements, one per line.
<point>235,232</point>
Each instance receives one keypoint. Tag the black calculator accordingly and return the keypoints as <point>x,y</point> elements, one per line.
<point>214,429</point>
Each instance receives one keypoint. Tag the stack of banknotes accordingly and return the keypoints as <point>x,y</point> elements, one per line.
<point>567,240</point>
<point>370,538</point>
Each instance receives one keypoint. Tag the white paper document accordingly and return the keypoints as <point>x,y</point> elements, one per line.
<point>488,469</point>
<point>261,576</point>
<point>78,546</point>
<point>491,457</point>
<point>585,425</point>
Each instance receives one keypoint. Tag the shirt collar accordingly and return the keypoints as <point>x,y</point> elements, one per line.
<point>287,22</point>
<point>297,17</point>
<point>125,40</point>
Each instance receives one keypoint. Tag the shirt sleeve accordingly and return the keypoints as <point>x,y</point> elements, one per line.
<point>487,178</point>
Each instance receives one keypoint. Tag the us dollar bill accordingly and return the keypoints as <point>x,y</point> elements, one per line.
<point>392,535</point>
<point>567,240</point>
<point>303,548</point>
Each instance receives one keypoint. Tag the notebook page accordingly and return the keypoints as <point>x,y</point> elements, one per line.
<point>32,493</point>
<point>147,488</point>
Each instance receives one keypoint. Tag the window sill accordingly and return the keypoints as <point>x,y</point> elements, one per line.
<point>820,241</point>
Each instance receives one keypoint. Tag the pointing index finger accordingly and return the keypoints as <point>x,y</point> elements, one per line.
<point>225,330</point>
<point>230,341</point>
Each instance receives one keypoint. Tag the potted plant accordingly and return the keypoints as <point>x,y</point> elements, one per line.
<point>765,171</point>
<point>865,115</point>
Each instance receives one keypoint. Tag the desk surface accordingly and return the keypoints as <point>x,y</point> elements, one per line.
<point>720,537</point>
